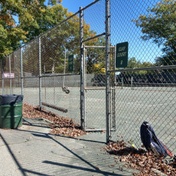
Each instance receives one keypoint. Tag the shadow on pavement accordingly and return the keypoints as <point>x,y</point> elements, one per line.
<point>24,171</point>
<point>82,168</point>
<point>21,169</point>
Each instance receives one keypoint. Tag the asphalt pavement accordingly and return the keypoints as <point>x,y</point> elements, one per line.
<point>31,151</point>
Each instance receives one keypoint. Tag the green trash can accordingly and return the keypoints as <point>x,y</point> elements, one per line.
<point>11,107</point>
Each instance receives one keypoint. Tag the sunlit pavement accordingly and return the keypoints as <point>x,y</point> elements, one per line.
<point>31,150</point>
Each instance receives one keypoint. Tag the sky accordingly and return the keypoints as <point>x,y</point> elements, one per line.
<point>73,5</point>
<point>122,27</point>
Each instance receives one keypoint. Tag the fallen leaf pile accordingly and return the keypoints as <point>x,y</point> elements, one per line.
<point>59,125</point>
<point>145,162</point>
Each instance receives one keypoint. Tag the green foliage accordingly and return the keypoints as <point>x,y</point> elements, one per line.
<point>24,20</point>
<point>159,26</point>
<point>21,21</point>
<point>133,63</point>
<point>96,56</point>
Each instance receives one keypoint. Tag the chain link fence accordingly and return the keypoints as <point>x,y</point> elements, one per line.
<point>60,83</point>
<point>11,74</point>
<point>80,73</point>
<point>146,87</point>
<point>47,70</point>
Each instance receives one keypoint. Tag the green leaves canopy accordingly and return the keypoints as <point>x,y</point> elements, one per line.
<point>23,20</point>
<point>160,25</point>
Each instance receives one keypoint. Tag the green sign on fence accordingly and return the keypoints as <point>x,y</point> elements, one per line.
<point>70,63</point>
<point>122,55</point>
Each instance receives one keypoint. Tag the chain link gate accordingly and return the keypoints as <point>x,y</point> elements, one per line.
<point>95,89</point>
<point>95,56</point>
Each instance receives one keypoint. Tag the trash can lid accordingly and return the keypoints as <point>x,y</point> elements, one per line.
<point>9,99</point>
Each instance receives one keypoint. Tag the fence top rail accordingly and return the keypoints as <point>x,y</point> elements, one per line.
<point>49,75</point>
<point>53,75</point>
<point>162,67</point>
<point>84,8</point>
<point>94,46</point>
<point>86,40</point>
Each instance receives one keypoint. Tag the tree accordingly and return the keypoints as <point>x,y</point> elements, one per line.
<point>9,32</point>
<point>21,21</point>
<point>56,44</point>
<point>96,56</point>
<point>64,39</point>
<point>133,63</point>
<point>159,26</point>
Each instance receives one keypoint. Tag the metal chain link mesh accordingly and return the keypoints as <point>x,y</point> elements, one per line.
<point>30,60</point>
<point>95,77</point>
<point>11,75</point>
<point>60,85</point>
<point>142,91</point>
<point>145,89</point>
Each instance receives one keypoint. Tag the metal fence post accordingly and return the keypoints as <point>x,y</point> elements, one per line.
<point>82,93</point>
<point>107,27</point>
<point>132,82</point>
<point>40,78</point>
<point>2,76</point>
<point>21,63</point>
<point>10,73</point>
<point>122,82</point>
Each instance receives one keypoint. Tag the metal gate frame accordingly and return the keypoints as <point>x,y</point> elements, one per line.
<point>82,70</point>
<point>112,94</point>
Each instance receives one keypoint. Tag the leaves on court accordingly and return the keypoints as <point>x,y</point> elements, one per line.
<point>59,125</point>
<point>139,159</point>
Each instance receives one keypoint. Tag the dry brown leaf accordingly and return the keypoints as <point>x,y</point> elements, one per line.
<point>59,125</point>
<point>139,159</point>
